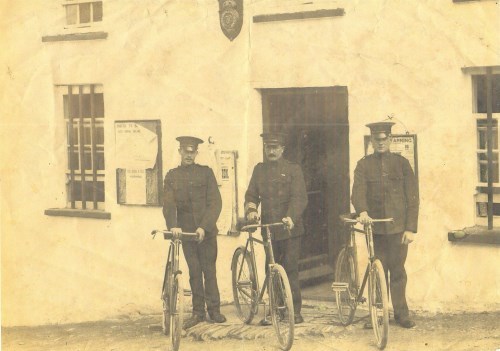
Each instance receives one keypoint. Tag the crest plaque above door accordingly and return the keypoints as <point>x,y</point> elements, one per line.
<point>231,17</point>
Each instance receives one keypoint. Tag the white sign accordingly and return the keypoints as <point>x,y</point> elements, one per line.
<point>136,146</point>
<point>226,176</point>
<point>135,185</point>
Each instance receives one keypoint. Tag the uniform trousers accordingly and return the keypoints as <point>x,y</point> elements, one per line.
<point>201,258</point>
<point>392,253</point>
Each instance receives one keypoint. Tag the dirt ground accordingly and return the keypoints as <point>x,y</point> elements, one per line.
<point>455,332</point>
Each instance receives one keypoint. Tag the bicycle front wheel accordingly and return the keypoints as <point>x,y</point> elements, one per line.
<point>176,315</point>
<point>282,314</point>
<point>244,285</point>
<point>165,296</point>
<point>379,301</point>
<point>346,271</point>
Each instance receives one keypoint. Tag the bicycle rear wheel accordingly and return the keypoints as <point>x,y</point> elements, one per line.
<point>379,303</point>
<point>244,285</point>
<point>282,314</point>
<point>165,296</point>
<point>176,315</point>
<point>346,271</point>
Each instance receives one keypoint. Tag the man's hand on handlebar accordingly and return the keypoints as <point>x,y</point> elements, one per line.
<point>364,218</point>
<point>252,217</point>
<point>176,232</point>
<point>287,221</point>
<point>201,234</point>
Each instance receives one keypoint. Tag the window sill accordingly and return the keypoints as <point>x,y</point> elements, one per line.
<point>475,235</point>
<point>75,36</point>
<point>69,212</point>
<point>301,15</point>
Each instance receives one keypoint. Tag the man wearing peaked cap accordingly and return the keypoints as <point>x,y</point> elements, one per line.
<point>192,203</point>
<point>385,187</point>
<point>278,186</point>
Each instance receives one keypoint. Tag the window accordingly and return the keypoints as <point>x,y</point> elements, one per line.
<point>486,109</point>
<point>83,107</point>
<point>81,13</point>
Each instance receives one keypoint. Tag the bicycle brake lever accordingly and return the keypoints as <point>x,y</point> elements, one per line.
<point>153,233</point>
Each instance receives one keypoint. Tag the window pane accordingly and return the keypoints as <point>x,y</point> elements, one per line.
<point>483,168</point>
<point>86,105</point>
<point>481,93</point>
<point>75,100</point>
<point>87,140</point>
<point>100,161</point>
<point>71,108</point>
<point>99,135</point>
<point>482,135</point>
<point>75,134</point>
<point>74,162</point>
<point>85,13</point>
<point>97,8</point>
<point>71,14</point>
<point>87,158</point>
<point>99,105</point>
<point>89,190</point>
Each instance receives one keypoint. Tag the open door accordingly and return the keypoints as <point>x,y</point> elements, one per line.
<point>315,121</point>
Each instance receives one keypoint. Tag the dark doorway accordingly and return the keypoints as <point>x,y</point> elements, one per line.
<point>316,123</point>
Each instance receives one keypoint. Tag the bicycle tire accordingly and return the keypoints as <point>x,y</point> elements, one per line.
<point>177,316</point>
<point>281,306</point>
<point>379,304</point>
<point>165,298</point>
<point>244,285</point>
<point>346,271</point>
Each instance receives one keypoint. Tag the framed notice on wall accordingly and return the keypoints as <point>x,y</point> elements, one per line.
<point>138,162</point>
<point>403,144</point>
<point>225,173</point>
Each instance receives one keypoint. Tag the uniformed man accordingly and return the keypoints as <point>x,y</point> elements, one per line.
<point>385,187</point>
<point>279,186</point>
<point>192,203</point>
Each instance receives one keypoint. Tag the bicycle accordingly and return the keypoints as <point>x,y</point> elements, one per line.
<point>246,285</point>
<point>172,293</point>
<point>348,294</point>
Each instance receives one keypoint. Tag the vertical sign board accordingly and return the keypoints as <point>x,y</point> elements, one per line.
<point>226,177</point>
<point>138,162</point>
<point>402,144</point>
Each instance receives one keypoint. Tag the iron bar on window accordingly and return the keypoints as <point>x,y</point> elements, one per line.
<point>71,146</point>
<point>93,150</point>
<point>489,128</point>
<point>82,146</point>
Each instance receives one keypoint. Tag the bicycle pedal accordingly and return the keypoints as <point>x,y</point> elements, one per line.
<point>340,287</point>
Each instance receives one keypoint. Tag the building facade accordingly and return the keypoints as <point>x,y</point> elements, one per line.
<point>319,70</point>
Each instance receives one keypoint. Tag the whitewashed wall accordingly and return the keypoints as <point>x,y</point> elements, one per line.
<point>170,61</point>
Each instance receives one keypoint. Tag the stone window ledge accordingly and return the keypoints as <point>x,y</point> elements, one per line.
<point>75,36</point>
<point>476,235</point>
<point>70,212</point>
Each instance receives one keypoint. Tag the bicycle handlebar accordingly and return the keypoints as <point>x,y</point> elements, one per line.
<point>255,226</point>
<point>168,235</point>
<point>356,220</point>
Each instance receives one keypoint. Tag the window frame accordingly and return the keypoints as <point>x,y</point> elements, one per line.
<point>78,24</point>
<point>78,147</point>
<point>487,195</point>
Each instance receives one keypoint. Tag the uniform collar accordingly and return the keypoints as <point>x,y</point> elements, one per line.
<point>382,154</point>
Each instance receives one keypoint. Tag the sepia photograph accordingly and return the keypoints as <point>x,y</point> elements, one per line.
<point>250,175</point>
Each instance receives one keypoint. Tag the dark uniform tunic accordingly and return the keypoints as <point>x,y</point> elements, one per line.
<point>192,200</point>
<point>279,186</point>
<point>385,187</point>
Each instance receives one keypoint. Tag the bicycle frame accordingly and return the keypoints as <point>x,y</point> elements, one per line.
<point>266,242</point>
<point>174,248</point>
